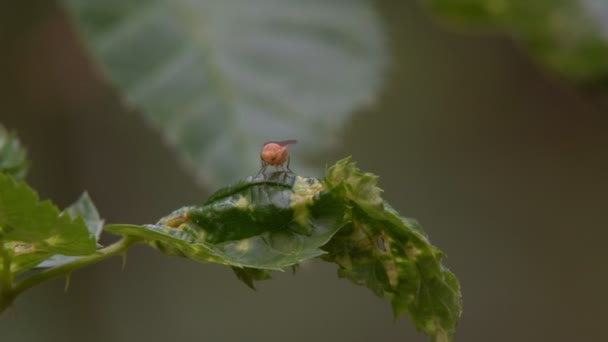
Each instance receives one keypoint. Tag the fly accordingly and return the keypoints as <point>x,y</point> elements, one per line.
<point>275,153</point>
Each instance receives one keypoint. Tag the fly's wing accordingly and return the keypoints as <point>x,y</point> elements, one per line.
<point>285,142</point>
<point>282,142</point>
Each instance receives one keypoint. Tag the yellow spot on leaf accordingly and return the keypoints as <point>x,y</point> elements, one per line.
<point>179,228</point>
<point>303,196</point>
<point>242,203</point>
<point>412,252</point>
<point>54,240</point>
<point>430,325</point>
<point>20,248</point>
<point>391,273</point>
<point>175,221</point>
<point>242,246</point>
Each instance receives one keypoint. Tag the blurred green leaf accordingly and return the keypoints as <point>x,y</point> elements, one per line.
<point>33,231</point>
<point>12,155</point>
<point>260,223</point>
<point>391,256</point>
<point>570,36</point>
<point>85,208</point>
<point>219,78</point>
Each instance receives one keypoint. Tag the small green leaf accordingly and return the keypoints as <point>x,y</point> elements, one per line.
<point>269,223</point>
<point>220,77</point>
<point>249,275</point>
<point>391,256</point>
<point>84,208</point>
<point>33,230</point>
<point>12,155</point>
<point>570,36</point>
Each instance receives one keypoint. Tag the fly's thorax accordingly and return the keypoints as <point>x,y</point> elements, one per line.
<point>274,154</point>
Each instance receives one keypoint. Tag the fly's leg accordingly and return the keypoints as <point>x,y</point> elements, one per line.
<point>262,170</point>
<point>288,160</point>
<point>282,174</point>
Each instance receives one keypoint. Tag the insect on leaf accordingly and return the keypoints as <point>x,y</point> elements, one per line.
<point>267,223</point>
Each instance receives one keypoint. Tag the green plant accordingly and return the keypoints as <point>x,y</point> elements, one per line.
<point>264,223</point>
<point>216,78</point>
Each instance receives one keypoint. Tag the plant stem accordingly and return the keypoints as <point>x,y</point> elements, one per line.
<point>6,278</point>
<point>10,293</point>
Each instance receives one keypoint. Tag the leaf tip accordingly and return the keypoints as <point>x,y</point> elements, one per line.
<point>123,266</point>
<point>66,286</point>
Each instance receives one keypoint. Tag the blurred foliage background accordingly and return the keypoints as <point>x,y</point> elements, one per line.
<point>501,158</point>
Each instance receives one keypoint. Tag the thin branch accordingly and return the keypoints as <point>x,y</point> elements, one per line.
<point>10,293</point>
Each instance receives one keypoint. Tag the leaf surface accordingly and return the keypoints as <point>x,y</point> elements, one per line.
<point>84,208</point>
<point>34,230</point>
<point>259,223</point>
<point>391,256</point>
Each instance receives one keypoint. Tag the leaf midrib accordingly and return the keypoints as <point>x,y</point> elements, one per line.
<point>193,25</point>
<point>225,89</point>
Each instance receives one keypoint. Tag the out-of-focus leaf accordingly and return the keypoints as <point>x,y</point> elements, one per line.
<point>391,256</point>
<point>219,78</point>
<point>570,36</point>
<point>269,223</point>
<point>33,231</point>
<point>85,208</point>
<point>12,155</point>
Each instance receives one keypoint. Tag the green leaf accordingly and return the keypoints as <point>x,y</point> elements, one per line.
<point>85,208</point>
<point>249,275</point>
<point>33,230</point>
<point>219,78</point>
<point>269,223</point>
<point>12,155</point>
<point>570,36</point>
<point>391,256</point>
